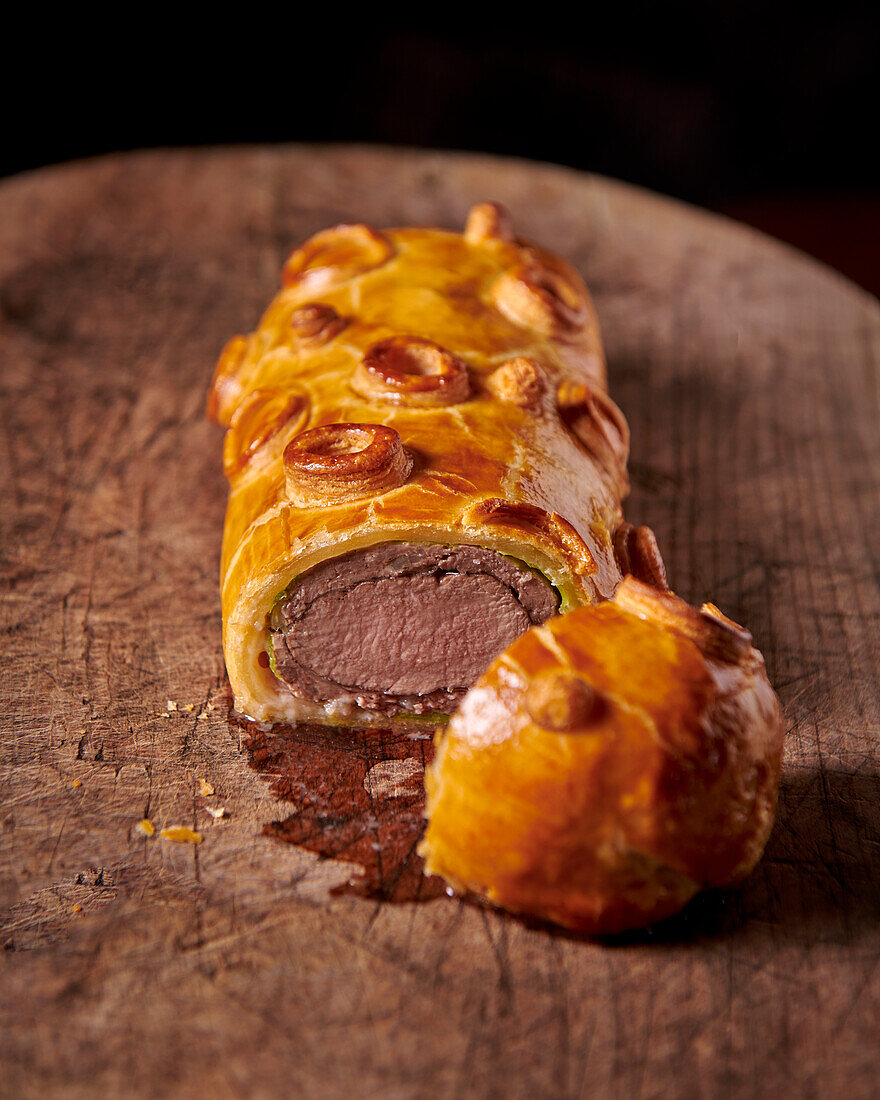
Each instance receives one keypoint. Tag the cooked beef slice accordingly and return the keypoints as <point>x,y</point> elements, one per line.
<point>402,627</point>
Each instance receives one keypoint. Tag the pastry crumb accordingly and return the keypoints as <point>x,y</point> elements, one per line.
<point>205,787</point>
<point>181,834</point>
<point>172,707</point>
<point>217,812</point>
<point>145,827</point>
<point>76,783</point>
<point>76,909</point>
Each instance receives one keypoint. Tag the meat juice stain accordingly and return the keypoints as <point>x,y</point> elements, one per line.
<point>359,797</point>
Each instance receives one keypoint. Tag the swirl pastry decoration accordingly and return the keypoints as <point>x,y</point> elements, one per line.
<point>316,323</point>
<point>423,464</point>
<point>541,294</point>
<point>335,256</point>
<point>260,416</point>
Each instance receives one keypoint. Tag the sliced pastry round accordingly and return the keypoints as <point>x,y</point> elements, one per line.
<point>608,765</point>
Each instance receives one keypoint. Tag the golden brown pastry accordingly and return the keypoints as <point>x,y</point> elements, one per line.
<point>423,463</point>
<point>608,765</point>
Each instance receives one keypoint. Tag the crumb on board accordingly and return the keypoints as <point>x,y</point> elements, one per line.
<point>173,707</point>
<point>205,787</point>
<point>145,827</point>
<point>181,834</point>
<point>76,909</point>
<point>76,783</point>
<point>217,812</point>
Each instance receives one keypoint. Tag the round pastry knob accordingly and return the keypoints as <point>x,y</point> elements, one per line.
<point>519,381</point>
<point>542,296</point>
<point>407,370</point>
<point>334,255</point>
<point>563,702</point>
<point>341,462</point>
<point>316,323</point>
<point>488,221</point>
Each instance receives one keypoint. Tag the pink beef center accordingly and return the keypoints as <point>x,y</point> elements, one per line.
<point>409,635</point>
<point>403,627</point>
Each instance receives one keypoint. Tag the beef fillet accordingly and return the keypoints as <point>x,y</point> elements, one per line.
<point>402,627</point>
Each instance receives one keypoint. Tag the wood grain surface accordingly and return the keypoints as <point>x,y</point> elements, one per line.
<point>137,966</point>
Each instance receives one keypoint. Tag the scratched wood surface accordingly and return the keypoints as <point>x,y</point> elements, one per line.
<point>140,967</point>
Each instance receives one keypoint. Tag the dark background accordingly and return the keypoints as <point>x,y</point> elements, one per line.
<point>767,111</point>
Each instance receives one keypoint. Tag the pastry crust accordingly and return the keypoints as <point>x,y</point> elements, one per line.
<point>413,385</point>
<point>608,765</point>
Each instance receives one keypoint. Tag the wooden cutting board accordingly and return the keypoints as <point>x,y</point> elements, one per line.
<point>139,966</point>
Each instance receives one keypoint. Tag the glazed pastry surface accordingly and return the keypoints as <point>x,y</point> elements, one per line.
<point>608,765</point>
<point>414,386</point>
